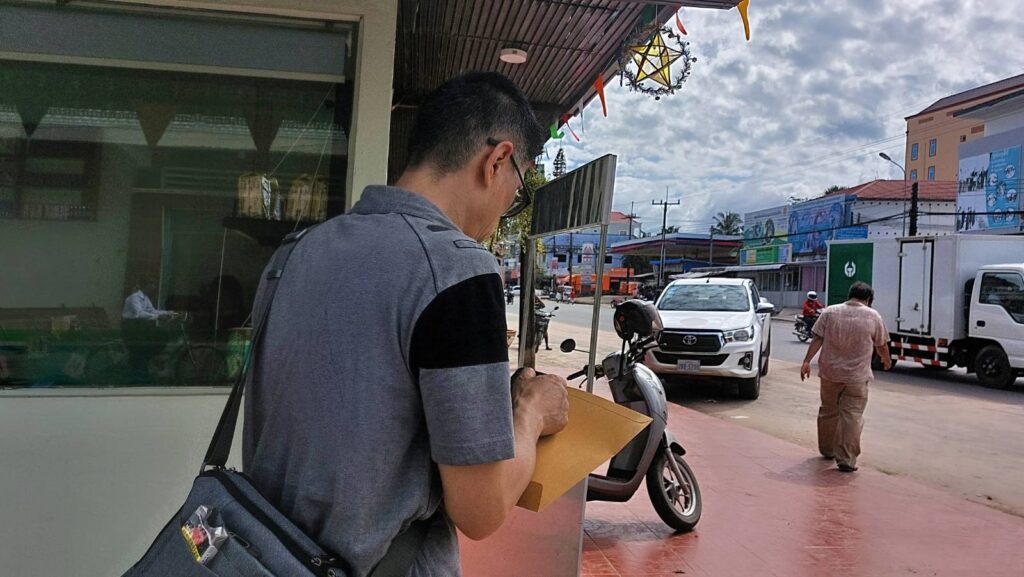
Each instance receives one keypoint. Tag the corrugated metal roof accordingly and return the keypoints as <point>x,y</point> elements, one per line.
<point>936,190</point>
<point>569,43</point>
<point>973,94</point>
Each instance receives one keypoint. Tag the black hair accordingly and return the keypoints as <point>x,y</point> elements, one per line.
<point>456,120</point>
<point>862,291</point>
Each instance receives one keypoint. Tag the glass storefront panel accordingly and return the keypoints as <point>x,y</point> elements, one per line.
<point>127,195</point>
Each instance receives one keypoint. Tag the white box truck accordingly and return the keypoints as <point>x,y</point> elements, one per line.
<point>947,301</point>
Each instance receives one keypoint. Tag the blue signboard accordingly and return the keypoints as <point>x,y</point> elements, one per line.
<point>813,223</point>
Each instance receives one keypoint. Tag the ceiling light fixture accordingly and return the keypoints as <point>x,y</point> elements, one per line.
<point>513,55</point>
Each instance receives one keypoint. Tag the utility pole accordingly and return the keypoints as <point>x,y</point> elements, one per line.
<point>913,209</point>
<point>569,258</point>
<point>664,221</point>
<point>631,216</point>
<point>711,247</point>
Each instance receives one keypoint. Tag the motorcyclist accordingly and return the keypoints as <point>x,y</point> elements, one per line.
<point>812,308</point>
<point>538,304</point>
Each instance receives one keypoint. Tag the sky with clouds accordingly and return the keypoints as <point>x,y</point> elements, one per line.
<point>809,102</point>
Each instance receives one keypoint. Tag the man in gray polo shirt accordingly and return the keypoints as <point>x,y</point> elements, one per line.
<point>382,390</point>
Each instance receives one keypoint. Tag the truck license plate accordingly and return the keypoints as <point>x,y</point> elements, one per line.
<point>689,366</point>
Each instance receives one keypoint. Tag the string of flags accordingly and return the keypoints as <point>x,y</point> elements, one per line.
<point>646,65</point>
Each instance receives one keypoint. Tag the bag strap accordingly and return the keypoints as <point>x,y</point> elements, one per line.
<point>405,548</point>
<point>220,444</point>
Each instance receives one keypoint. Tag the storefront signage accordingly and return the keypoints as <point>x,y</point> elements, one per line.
<point>988,192</point>
<point>779,253</point>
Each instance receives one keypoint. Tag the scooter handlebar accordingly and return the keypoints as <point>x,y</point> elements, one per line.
<point>598,373</point>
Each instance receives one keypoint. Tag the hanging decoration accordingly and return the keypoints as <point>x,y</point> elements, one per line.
<point>599,87</point>
<point>154,120</point>
<point>742,7</point>
<point>679,24</point>
<point>32,112</point>
<point>565,121</point>
<point>555,134</point>
<point>647,59</point>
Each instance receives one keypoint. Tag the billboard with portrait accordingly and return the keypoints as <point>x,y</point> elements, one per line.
<point>766,227</point>
<point>988,197</point>
<point>814,223</point>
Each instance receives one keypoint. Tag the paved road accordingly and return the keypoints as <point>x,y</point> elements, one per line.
<point>940,428</point>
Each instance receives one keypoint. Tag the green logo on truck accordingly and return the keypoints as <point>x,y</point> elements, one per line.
<point>847,264</point>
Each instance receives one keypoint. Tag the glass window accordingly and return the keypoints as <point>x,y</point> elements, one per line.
<point>932,146</point>
<point>608,259</point>
<point>1005,290</point>
<point>705,297</point>
<point>913,174</point>
<point>139,208</point>
<point>931,173</point>
<point>913,151</point>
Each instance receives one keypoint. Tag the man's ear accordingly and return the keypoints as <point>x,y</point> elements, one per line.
<point>495,158</point>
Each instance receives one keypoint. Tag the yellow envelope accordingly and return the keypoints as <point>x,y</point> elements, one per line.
<point>597,429</point>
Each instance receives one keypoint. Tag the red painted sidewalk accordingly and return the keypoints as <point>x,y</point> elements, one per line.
<point>773,509</point>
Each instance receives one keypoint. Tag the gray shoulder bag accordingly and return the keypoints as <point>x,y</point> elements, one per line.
<point>227,528</point>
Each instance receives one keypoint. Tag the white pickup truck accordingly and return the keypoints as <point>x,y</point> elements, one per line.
<point>714,327</point>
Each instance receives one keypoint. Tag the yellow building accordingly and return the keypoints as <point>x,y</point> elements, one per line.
<point>934,135</point>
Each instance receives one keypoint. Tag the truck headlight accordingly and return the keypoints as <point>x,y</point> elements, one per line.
<point>739,335</point>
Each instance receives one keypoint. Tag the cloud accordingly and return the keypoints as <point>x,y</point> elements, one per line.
<point>808,103</point>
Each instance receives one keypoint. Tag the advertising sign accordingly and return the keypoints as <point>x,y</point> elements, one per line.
<point>779,253</point>
<point>988,192</point>
<point>813,223</point>
<point>847,264</point>
<point>766,227</point>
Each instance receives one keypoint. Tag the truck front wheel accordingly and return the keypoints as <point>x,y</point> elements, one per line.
<point>993,368</point>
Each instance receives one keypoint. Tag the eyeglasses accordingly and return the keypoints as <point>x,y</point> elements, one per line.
<point>524,196</point>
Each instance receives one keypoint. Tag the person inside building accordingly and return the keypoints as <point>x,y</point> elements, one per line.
<point>145,329</point>
<point>371,412</point>
<point>812,309</point>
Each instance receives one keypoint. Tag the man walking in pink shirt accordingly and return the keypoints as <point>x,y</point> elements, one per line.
<point>846,334</point>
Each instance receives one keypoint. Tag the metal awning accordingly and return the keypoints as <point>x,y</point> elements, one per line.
<point>756,267</point>
<point>569,43</point>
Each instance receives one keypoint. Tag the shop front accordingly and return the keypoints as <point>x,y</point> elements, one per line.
<point>152,155</point>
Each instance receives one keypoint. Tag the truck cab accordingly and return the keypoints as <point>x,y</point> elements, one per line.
<point>995,323</point>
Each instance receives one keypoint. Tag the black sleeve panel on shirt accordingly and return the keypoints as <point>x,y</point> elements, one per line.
<point>463,326</point>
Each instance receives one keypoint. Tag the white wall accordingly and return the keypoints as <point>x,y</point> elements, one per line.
<point>1004,123</point>
<point>927,224</point>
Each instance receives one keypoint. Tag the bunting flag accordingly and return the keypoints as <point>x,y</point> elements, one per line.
<point>679,24</point>
<point>599,87</point>
<point>742,7</point>
<point>32,112</point>
<point>565,121</point>
<point>555,134</point>
<point>154,120</point>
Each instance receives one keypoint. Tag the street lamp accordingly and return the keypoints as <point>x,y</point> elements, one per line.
<point>885,156</point>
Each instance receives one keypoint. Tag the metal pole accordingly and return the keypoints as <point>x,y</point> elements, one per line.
<point>711,247</point>
<point>595,323</point>
<point>527,345</point>
<point>913,209</point>
<point>664,222</point>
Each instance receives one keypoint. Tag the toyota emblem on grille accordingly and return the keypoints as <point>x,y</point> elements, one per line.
<point>689,340</point>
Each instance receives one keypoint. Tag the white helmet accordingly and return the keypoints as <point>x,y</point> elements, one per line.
<point>812,295</point>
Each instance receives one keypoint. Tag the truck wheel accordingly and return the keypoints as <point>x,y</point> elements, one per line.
<point>750,389</point>
<point>766,357</point>
<point>993,368</point>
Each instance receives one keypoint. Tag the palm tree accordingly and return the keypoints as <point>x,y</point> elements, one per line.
<point>728,223</point>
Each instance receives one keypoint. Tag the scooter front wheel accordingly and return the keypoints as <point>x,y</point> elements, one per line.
<point>674,492</point>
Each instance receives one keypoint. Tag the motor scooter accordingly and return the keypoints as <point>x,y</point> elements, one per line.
<point>801,329</point>
<point>541,320</point>
<point>655,454</point>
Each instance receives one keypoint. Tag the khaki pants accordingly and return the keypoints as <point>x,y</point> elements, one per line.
<point>841,420</point>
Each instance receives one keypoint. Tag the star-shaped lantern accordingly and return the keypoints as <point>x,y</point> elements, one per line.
<point>654,60</point>
<point>648,58</point>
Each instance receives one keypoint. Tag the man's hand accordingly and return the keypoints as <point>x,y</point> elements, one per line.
<point>544,398</point>
<point>805,370</point>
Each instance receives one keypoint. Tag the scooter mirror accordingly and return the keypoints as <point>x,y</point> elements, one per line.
<point>568,346</point>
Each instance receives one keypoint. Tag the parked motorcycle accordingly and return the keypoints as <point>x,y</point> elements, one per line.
<point>655,454</point>
<point>541,320</point>
<point>801,329</point>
